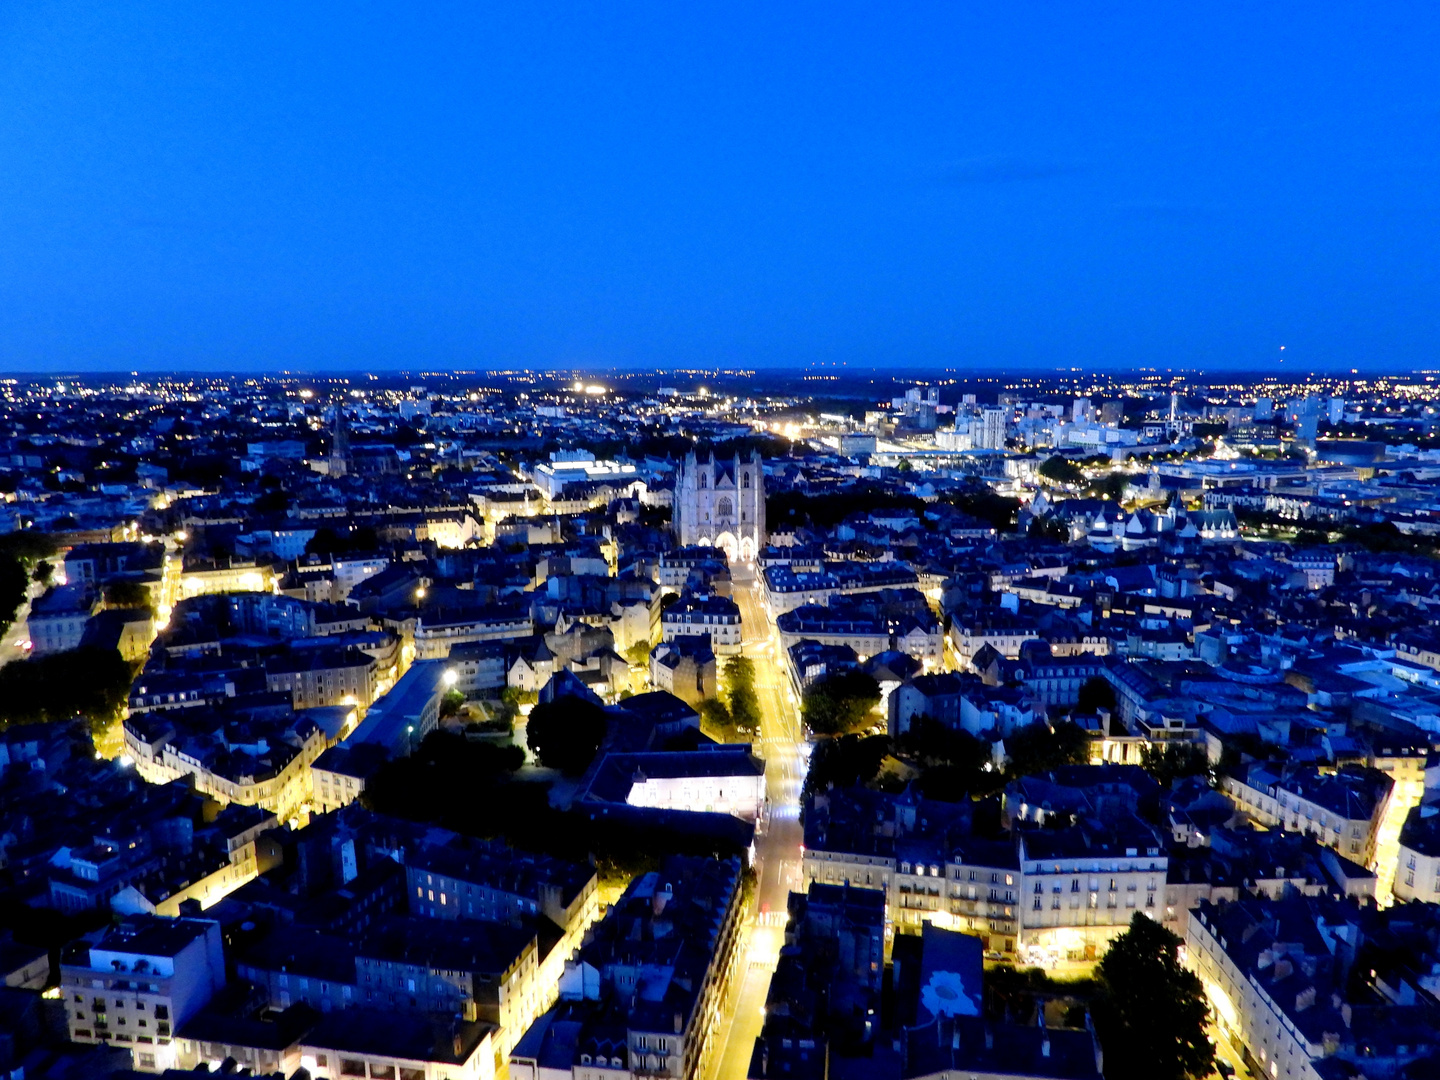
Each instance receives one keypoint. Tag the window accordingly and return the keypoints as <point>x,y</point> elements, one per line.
<point>745,480</point>
<point>352,1067</point>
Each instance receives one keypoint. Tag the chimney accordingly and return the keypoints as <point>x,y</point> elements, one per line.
<point>679,1023</point>
<point>1345,1013</point>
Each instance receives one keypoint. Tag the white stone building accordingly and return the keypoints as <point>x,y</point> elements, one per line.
<point>722,503</point>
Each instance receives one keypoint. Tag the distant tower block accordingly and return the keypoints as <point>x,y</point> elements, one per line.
<point>722,503</point>
<point>340,446</point>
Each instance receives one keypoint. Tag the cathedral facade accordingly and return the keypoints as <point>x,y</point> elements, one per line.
<point>721,503</point>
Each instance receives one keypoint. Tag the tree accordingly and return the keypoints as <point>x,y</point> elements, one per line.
<point>1096,693</point>
<point>1169,763</point>
<point>450,780</point>
<point>450,704</point>
<point>326,541</point>
<point>740,697</point>
<point>997,511</point>
<point>28,546</point>
<point>1151,1012</point>
<point>127,594</point>
<point>638,655</point>
<point>43,572</point>
<point>846,761</point>
<point>840,702</point>
<point>14,587</point>
<point>89,682</point>
<point>1039,747</point>
<point>272,501</point>
<point>954,763</point>
<point>1059,470</point>
<point>1110,486</point>
<point>1049,528</point>
<point>565,733</point>
<point>831,508</point>
<point>715,713</point>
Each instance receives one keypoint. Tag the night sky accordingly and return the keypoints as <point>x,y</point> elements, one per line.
<point>983,186</point>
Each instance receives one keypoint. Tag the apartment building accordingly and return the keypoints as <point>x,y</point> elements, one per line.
<point>645,993</point>
<point>1341,809</point>
<point>144,977</point>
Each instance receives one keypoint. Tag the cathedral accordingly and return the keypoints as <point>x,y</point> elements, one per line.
<point>722,503</point>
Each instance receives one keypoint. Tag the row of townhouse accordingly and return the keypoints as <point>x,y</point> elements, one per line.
<point>1341,809</point>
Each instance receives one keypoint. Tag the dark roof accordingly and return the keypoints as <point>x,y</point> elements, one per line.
<point>399,1035</point>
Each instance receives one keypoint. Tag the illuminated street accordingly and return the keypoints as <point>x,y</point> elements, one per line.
<point>777,846</point>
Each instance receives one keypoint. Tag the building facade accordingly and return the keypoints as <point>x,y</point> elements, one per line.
<point>722,504</point>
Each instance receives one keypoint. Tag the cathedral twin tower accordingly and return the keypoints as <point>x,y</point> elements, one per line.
<point>722,503</point>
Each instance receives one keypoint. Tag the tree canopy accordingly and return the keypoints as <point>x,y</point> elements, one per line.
<point>1000,512</point>
<point>565,733</point>
<point>1151,1013</point>
<point>954,764</point>
<point>14,586</point>
<point>127,594</point>
<point>1059,470</point>
<point>1170,763</point>
<point>1038,747</point>
<point>451,781</point>
<point>840,702</point>
<point>740,696</point>
<point>89,682</point>
<point>846,761</point>
<point>1096,693</point>
<point>833,507</point>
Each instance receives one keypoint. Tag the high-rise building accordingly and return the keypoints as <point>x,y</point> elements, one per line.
<point>340,445</point>
<point>1307,421</point>
<point>991,429</point>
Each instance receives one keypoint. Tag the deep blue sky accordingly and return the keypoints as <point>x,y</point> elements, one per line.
<point>256,185</point>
